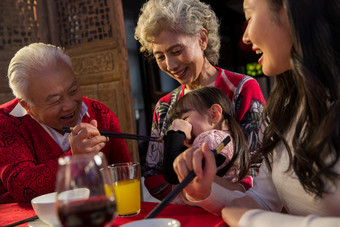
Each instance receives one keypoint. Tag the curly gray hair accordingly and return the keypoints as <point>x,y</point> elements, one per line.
<point>183,16</point>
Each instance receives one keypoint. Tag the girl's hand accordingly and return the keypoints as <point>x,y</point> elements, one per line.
<point>184,126</point>
<point>191,159</point>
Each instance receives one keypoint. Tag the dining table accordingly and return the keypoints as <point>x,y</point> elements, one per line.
<point>187,215</point>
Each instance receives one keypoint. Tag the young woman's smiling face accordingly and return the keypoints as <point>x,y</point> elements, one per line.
<point>269,34</point>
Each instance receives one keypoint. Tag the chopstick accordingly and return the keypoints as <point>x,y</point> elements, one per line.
<point>188,179</point>
<point>123,135</point>
<point>22,221</point>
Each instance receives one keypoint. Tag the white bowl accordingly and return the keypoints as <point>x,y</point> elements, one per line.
<point>44,206</point>
<point>74,194</point>
<point>154,222</point>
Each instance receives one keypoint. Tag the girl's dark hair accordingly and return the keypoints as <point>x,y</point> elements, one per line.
<point>201,100</point>
<point>310,91</point>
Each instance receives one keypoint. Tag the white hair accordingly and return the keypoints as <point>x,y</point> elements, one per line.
<point>180,16</point>
<point>28,60</point>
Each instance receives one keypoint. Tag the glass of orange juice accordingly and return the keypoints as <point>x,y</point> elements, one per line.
<point>126,186</point>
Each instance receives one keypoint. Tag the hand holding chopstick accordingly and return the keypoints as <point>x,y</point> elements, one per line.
<point>188,179</point>
<point>123,135</point>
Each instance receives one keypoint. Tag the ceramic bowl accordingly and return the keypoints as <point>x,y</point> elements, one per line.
<point>154,222</point>
<point>44,206</point>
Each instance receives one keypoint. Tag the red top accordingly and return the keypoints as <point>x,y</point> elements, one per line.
<point>29,155</point>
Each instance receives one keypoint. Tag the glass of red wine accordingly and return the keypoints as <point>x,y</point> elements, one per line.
<point>85,191</point>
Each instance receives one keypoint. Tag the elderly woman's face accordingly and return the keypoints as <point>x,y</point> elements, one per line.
<point>179,55</point>
<point>269,34</point>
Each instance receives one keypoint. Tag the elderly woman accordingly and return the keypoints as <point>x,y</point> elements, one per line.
<point>183,37</point>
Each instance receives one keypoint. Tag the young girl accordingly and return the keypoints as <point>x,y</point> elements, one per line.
<point>299,42</point>
<point>205,115</point>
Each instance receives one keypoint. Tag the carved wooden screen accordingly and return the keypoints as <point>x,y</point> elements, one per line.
<point>92,33</point>
<point>19,26</point>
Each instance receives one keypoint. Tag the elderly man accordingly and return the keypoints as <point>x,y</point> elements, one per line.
<point>48,97</point>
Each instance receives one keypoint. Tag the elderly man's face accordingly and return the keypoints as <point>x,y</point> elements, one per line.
<point>55,95</point>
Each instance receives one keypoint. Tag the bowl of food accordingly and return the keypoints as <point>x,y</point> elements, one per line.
<point>45,208</point>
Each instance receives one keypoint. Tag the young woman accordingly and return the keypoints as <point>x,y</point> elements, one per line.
<point>205,115</point>
<point>182,35</point>
<point>298,41</point>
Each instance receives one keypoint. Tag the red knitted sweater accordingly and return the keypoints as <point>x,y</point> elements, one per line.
<point>29,155</point>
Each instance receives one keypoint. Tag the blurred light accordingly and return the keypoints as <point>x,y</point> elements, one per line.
<point>253,69</point>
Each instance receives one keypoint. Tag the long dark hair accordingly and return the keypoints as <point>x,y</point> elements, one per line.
<point>310,91</point>
<point>201,100</point>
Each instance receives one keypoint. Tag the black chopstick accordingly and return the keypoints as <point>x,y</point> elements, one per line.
<point>22,221</point>
<point>188,179</point>
<point>122,135</point>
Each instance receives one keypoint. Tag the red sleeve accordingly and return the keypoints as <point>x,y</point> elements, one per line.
<point>24,171</point>
<point>250,91</point>
<point>116,149</point>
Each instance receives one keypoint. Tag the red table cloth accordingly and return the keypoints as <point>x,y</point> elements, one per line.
<point>188,216</point>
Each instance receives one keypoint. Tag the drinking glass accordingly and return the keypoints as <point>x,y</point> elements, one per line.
<point>84,191</point>
<point>126,177</point>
